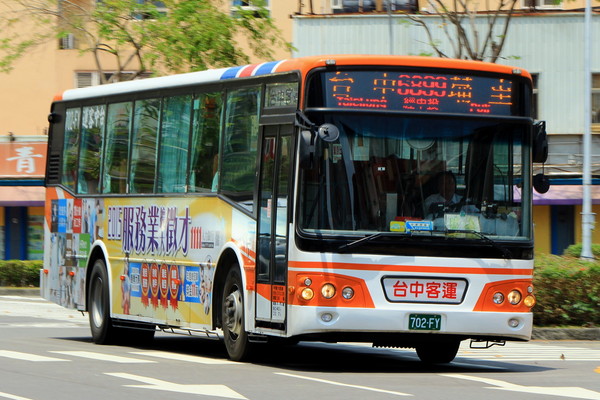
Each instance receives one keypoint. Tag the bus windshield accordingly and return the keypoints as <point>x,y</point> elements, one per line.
<point>411,175</point>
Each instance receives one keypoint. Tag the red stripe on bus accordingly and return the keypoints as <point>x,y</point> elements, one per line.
<point>247,71</point>
<point>411,268</point>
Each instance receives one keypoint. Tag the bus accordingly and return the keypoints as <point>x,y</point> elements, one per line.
<point>378,199</point>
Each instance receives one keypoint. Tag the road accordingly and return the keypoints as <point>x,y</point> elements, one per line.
<point>46,353</point>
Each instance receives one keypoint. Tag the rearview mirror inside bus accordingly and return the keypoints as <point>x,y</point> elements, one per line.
<point>540,143</point>
<point>307,149</point>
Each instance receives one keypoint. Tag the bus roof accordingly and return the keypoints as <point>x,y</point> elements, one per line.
<point>303,65</point>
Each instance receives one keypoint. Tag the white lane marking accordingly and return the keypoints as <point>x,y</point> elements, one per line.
<point>104,357</point>
<point>157,384</point>
<point>571,392</point>
<point>47,325</point>
<point>183,357</point>
<point>24,298</point>
<point>530,352</point>
<point>27,356</point>
<point>343,384</point>
<point>12,396</point>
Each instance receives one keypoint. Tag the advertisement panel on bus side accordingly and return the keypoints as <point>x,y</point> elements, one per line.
<point>162,253</point>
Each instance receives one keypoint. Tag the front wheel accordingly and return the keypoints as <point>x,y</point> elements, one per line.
<point>103,331</point>
<point>438,353</point>
<point>232,313</point>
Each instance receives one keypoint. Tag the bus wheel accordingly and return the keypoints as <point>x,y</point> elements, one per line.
<point>99,305</point>
<point>438,353</point>
<point>235,336</point>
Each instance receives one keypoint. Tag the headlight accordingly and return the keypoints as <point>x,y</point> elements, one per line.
<point>514,297</point>
<point>347,293</point>
<point>328,290</point>
<point>498,298</point>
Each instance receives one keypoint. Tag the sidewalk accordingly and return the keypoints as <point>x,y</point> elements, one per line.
<point>538,333</point>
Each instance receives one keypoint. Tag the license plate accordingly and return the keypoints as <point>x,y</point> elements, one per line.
<point>424,322</point>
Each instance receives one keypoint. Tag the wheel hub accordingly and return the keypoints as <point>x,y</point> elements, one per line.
<point>233,313</point>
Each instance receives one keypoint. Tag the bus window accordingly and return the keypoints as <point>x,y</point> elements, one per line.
<point>238,169</point>
<point>205,141</point>
<point>174,138</point>
<point>71,145</point>
<point>143,141</point>
<point>92,134</point>
<point>117,141</point>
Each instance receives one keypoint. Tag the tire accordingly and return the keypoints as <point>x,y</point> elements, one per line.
<point>232,315</point>
<point>438,353</point>
<point>103,331</point>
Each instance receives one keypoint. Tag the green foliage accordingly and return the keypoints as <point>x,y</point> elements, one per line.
<point>574,250</point>
<point>567,291</point>
<point>141,37</point>
<point>20,273</point>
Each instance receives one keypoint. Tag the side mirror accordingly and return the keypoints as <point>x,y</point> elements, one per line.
<point>539,149</point>
<point>307,149</point>
<point>541,183</point>
<point>328,133</point>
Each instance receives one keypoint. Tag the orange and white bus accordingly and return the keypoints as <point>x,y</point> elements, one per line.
<point>381,199</point>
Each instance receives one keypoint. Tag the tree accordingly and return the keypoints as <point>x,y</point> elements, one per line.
<point>141,37</point>
<point>468,40</point>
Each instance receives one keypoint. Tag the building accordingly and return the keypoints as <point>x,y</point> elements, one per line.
<point>28,90</point>
<point>22,196</point>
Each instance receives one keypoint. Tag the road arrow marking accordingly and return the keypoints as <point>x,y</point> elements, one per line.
<point>104,357</point>
<point>343,384</point>
<point>157,384</point>
<point>571,392</point>
<point>184,357</point>
<point>12,396</point>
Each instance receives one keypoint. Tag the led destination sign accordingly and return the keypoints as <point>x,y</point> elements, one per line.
<point>418,92</point>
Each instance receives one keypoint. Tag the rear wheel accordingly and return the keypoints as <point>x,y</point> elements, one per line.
<point>103,332</point>
<point>438,353</point>
<point>232,315</point>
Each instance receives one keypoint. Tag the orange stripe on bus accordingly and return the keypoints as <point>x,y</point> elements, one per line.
<point>412,268</point>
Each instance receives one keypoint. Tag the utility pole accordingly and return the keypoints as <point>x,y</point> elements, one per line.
<point>390,27</point>
<point>587,217</point>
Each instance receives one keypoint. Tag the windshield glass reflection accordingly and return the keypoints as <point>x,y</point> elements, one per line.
<point>416,176</point>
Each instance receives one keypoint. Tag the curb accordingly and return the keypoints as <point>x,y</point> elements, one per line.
<point>566,334</point>
<point>538,333</point>
<point>15,291</point>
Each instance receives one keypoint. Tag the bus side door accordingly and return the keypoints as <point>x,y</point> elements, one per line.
<point>272,232</point>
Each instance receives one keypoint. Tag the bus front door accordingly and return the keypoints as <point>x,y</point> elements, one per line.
<point>272,241</point>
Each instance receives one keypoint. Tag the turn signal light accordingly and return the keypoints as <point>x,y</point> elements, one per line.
<point>307,294</point>
<point>529,301</point>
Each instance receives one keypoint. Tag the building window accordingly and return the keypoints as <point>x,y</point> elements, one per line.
<point>596,99</point>
<point>67,42</point>
<point>535,112</point>
<point>259,7</point>
<point>542,4</point>
<point>149,9</point>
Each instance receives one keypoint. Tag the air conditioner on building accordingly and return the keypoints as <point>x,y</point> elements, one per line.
<point>336,4</point>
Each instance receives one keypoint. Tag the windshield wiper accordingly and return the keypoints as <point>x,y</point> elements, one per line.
<point>505,252</point>
<point>367,239</point>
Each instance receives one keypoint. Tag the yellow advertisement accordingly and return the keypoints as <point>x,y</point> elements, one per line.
<point>163,255</point>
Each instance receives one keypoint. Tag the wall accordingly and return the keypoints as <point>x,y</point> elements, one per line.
<point>541,228</point>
